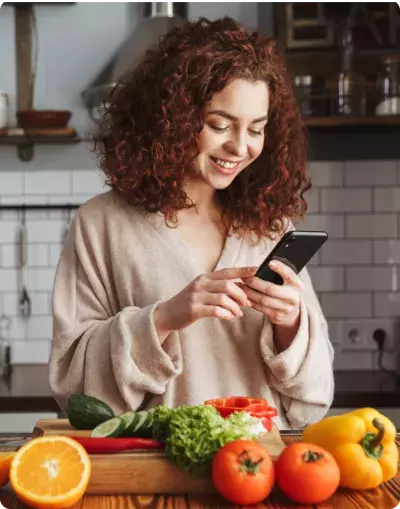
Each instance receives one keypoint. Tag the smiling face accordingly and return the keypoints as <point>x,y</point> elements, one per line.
<point>233,133</point>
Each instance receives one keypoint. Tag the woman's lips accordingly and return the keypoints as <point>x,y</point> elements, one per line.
<point>221,169</point>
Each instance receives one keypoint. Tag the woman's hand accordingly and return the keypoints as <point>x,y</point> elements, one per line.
<point>280,303</point>
<point>209,295</point>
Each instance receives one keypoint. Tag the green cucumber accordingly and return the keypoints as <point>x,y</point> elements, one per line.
<point>140,422</point>
<point>147,429</point>
<point>87,412</point>
<point>129,419</point>
<point>111,428</point>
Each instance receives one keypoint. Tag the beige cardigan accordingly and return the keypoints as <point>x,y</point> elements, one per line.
<point>116,266</point>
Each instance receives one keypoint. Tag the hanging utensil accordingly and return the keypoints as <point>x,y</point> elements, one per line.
<point>5,349</point>
<point>25,301</point>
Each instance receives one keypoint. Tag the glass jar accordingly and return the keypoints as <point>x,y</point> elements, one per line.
<point>3,110</point>
<point>347,89</point>
<point>388,87</point>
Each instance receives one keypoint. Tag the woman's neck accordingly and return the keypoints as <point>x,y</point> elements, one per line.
<point>203,197</point>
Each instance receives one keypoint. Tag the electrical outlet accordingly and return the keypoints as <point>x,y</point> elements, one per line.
<point>355,335</point>
<point>359,334</point>
<point>391,328</point>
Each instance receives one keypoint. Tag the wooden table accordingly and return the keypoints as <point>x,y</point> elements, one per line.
<point>384,497</point>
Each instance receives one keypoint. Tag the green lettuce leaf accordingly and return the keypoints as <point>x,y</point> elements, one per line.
<point>193,434</point>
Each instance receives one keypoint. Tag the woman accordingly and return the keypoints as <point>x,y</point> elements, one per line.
<point>155,299</point>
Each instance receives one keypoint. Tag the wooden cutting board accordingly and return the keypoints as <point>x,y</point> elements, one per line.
<point>141,472</point>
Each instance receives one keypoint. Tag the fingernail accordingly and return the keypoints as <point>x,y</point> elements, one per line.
<point>248,302</point>
<point>273,263</point>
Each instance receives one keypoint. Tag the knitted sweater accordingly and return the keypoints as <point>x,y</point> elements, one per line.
<point>117,264</point>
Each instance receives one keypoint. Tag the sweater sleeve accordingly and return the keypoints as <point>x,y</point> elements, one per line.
<point>97,349</point>
<point>303,373</point>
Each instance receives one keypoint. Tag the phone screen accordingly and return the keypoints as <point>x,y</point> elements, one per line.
<point>295,249</point>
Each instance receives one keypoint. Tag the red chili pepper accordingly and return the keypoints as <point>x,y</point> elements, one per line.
<point>257,407</point>
<point>267,423</point>
<point>114,445</point>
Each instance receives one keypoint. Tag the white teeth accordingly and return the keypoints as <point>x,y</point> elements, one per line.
<point>225,164</point>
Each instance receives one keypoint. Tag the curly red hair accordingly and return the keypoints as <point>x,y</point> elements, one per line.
<point>148,134</point>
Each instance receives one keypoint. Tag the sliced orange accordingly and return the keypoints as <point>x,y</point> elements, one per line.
<point>5,463</point>
<point>50,472</point>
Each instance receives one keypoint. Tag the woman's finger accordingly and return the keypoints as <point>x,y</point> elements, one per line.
<point>288,275</point>
<point>232,273</point>
<point>221,300</point>
<point>266,301</point>
<point>230,288</point>
<point>215,312</point>
<point>275,316</point>
<point>289,294</point>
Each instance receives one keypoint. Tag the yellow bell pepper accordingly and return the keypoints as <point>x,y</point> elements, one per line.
<point>362,443</point>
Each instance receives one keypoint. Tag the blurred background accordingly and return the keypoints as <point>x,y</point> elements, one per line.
<point>57,62</point>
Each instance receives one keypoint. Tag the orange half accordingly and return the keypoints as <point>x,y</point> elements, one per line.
<point>50,472</point>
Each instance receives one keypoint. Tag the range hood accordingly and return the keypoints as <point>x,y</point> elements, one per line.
<point>159,18</point>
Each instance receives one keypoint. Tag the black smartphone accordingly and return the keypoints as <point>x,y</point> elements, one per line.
<point>295,249</point>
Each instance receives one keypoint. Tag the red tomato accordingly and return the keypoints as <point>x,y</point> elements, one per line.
<point>307,473</point>
<point>243,472</point>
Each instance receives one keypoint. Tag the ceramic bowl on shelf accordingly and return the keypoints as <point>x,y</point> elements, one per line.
<point>43,118</point>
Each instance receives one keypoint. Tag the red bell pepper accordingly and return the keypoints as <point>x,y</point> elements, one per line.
<point>100,445</point>
<point>257,407</point>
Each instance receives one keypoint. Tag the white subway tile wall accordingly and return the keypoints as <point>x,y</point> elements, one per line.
<point>356,274</point>
<point>55,175</point>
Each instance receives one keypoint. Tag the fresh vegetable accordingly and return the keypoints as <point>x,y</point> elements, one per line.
<point>194,433</point>
<point>362,443</point>
<point>307,473</point>
<point>112,428</point>
<point>87,412</point>
<point>115,445</point>
<point>162,417</point>
<point>129,419</point>
<point>142,425</point>
<point>256,407</point>
<point>243,472</point>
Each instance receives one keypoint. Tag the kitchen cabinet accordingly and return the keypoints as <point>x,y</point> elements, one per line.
<point>22,422</point>
<point>320,53</point>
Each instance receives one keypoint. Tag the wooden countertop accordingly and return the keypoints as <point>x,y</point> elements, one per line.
<point>27,390</point>
<point>387,496</point>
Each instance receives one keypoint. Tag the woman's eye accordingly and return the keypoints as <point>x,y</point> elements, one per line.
<point>218,128</point>
<point>223,129</point>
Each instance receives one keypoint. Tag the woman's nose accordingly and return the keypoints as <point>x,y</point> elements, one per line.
<point>238,145</point>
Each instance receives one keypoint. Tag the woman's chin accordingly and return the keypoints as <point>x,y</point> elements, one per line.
<point>221,181</point>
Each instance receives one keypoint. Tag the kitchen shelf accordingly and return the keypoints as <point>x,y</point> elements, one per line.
<point>350,121</point>
<point>45,206</point>
<point>39,140</point>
